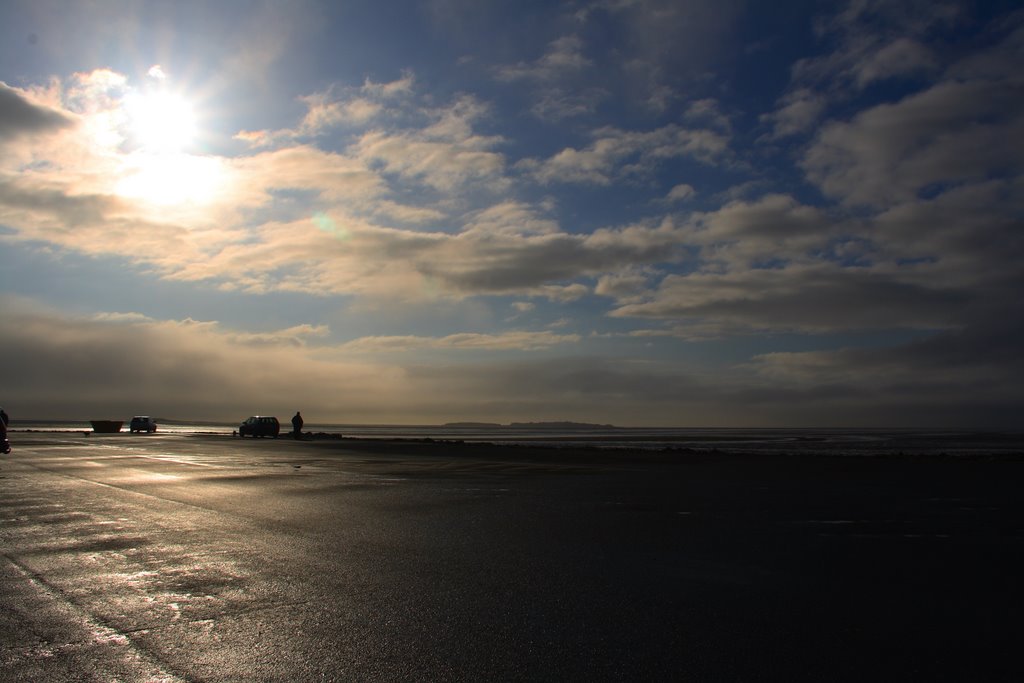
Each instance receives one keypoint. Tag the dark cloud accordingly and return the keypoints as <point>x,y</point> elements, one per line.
<point>586,388</point>
<point>56,203</point>
<point>951,133</point>
<point>812,299</point>
<point>970,377</point>
<point>20,116</point>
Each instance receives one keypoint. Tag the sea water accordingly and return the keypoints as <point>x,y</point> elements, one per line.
<point>825,441</point>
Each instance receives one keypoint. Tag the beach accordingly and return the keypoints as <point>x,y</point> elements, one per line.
<point>207,557</point>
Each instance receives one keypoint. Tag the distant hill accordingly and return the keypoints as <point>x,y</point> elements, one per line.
<point>471,424</point>
<point>560,425</point>
<point>530,425</point>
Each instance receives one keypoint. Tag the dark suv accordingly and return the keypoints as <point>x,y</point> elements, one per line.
<point>142,423</point>
<point>260,425</point>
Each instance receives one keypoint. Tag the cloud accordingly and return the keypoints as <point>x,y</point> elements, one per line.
<point>305,220</point>
<point>331,176</point>
<point>95,92</point>
<point>707,112</point>
<point>798,111</point>
<point>563,58</point>
<point>969,230</point>
<point>398,88</point>
<point>660,49</point>
<point>555,104</point>
<point>870,42</point>
<point>119,365</point>
<point>1002,58</point>
<point>627,286</point>
<point>618,153</point>
<point>775,265</point>
<point>323,115</point>
<point>464,341</point>
<point>353,106</point>
<point>188,369</point>
<point>584,388</point>
<point>876,40</point>
<point>43,209</point>
<point>772,230</point>
<point>115,317</point>
<point>953,132</point>
<point>296,336</point>
<point>668,40</point>
<point>866,59</point>
<point>544,263</point>
<point>300,219</point>
<point>337,106</point>
<point>681,193</point>
<point>559,80</point>
<point>442,165</point>
<point>445,155</point>
<point>356,257</point>
<point>293,217</point>
<point>21,116</point>
<point>958,378</point>
<point>901,57</point>
<point>255,138</point>
<point>393,212</point>
<point>561,293</point>
<point>809,299</point>
<point>509,218</point>
<point>76,209</point>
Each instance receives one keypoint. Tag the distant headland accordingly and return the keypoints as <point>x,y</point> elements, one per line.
<point>531,425</point>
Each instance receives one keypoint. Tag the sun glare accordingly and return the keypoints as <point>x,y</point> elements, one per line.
<point>162,126</point>
<point>161,121</point>
<point>166,179</point>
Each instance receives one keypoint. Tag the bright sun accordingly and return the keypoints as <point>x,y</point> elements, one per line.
<point>161,121</point>
<point>163,126</point>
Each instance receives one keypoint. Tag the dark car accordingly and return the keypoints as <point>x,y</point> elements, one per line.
<point>142,423</point>
<point>260,426</point>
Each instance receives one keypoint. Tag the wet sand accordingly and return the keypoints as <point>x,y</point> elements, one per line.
<point>683,445</point>
<point>338,559</point>
<point>790,566</point>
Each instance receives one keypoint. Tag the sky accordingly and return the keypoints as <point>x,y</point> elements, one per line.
<point>680,213</point>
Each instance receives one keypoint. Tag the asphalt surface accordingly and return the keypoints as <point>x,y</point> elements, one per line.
<point>207,558</point>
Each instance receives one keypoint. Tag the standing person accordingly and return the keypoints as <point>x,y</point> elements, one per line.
<point>297,425</point>
<point>5,445</point>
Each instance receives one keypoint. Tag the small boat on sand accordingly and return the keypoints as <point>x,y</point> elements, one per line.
<point>106,426</point>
